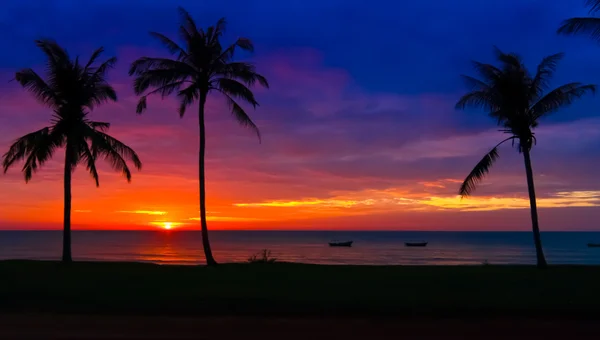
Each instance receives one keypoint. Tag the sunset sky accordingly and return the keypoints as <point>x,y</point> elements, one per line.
<point>359,127</point>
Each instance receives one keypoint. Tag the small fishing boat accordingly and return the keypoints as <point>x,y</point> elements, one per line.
<point>340,244</point>
<point>415,244</point>
<point>594,245</point>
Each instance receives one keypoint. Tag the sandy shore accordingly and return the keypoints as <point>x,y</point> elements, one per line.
<point>39,326</point>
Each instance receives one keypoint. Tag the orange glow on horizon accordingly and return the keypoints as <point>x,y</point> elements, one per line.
<point>143,207</point>
<point>170,202</point>
<point>166,225</point>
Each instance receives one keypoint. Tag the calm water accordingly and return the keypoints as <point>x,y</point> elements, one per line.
<point>444,248</point>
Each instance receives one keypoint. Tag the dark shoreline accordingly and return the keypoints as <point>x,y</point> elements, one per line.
<point>296,290</point>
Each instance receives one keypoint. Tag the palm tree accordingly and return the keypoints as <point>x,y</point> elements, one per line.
<point>71,90</point>
<point>200,66</point>
<point>517,101</point>
<point>583,25</point>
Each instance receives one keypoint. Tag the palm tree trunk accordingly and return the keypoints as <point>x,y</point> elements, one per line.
<point>66,251</point>
<point>210,260</point>
<point>541,260</point>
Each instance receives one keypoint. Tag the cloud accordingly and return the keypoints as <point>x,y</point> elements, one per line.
<point>383,200</point>
<point>309,202</point>
<point>144,212</point>
<point>230,219</point>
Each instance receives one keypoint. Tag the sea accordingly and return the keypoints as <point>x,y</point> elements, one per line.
<point>369,247</point>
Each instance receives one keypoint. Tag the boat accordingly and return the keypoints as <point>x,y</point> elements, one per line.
<point>594,245</point>
<point>415,244</point>
<point>341,244</point>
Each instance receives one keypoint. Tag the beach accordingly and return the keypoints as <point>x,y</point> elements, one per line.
<point>294,301</point>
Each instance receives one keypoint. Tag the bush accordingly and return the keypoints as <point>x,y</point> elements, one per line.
<point>263,256</point>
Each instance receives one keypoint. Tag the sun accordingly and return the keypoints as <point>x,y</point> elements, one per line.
<point>166,225</point>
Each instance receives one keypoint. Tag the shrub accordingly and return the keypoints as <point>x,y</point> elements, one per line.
<point>263,256</point>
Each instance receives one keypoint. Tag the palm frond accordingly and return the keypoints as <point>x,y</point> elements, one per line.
<point>478,99</point>
<point>187,21</point>
<point>142,105</point>
<point>509,60</point>
<point>243,71</point>
<point>57,56</point>
<point>216,32</point>
<point>159,72</point>
<point>235,89</point>
<point>35,85</point>
<point>241,116</point>
<point>188,29</point>
<point>481,169</point>
<point>36,158</point>
<point>100,72</point>
<point>559,98</point>
<point>93,58</point>
<point>36,148</point>
<point>585,25</point>
<point>123,150</point>
<point>144,64</point>
<point>89,158</point>
<point>102,126</point>
<point>186,36</point>
<point>489,73</point>
<point>116,161</point>
<point>22,147</point>
<point>544,73</point>
<point>166,80</point>
<point>475,84</point>
<point>114,151</point>
<point>101,93</point>
<point>243,43</point>
<point>172,46</point>
<point>186,98</point>
<point>167,89</point>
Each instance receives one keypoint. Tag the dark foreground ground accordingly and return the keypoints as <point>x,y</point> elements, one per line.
<point>284,289</point>
<point>47,327</point>
<point>294,301</point>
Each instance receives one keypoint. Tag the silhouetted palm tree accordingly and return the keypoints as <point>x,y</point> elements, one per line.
<point>584,25</point>
<point>71,90</point>
<point>198,68</point>
<point>517,101</point>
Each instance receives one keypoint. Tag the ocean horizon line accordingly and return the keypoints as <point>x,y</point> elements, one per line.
<point>306,230</point>
<point>306,246</point>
